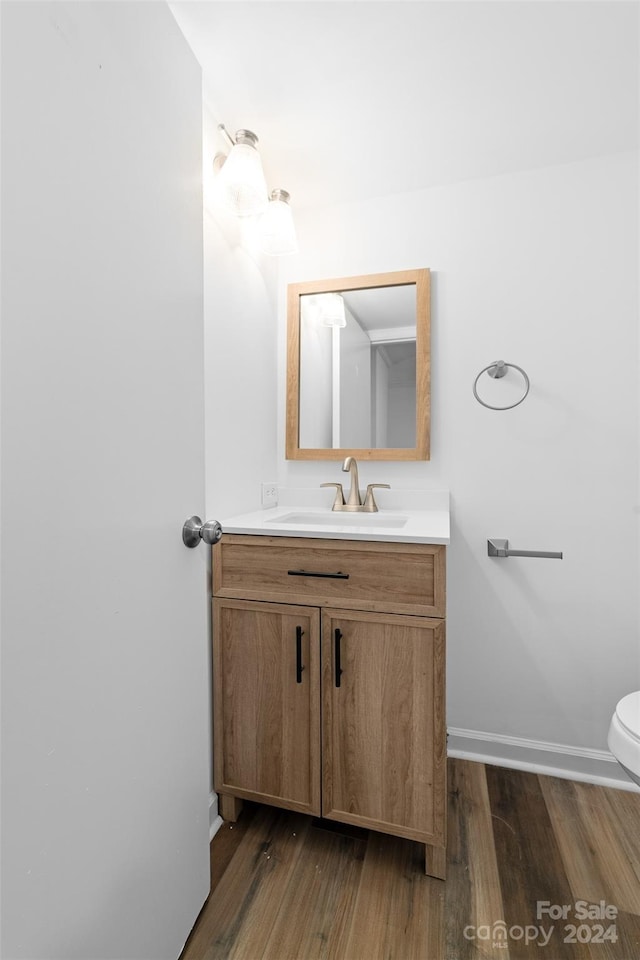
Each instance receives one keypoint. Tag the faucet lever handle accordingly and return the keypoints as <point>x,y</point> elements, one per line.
<point>370,504</point>
<point>339,499</point>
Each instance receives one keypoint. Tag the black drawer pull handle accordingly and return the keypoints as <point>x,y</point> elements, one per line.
<point>299,667</point>
<point>311,573</point>
<point>338,668</point>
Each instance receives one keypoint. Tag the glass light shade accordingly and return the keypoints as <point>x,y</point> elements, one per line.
<point>241,183</point>
<point>277,232</point>
<point>332,310</point>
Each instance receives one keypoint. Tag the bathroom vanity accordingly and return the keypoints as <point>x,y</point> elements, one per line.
<point>329,671</point>
<point>329,623</point>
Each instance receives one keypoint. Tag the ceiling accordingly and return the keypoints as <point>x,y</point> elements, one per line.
<point>352,100</point>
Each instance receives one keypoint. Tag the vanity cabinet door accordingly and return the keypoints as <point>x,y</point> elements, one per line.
<point>267,703</point>
<point>384,737</point>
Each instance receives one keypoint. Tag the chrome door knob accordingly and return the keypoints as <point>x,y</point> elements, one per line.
<point>194,530</point>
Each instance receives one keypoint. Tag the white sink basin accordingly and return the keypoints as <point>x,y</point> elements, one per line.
<point>341,518</point>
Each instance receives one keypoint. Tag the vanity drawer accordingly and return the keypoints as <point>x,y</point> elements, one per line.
<point>357,575</point>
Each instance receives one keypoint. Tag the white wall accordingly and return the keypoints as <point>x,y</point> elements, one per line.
<point>538,268</point>
<point>355,384</point>
<point>316,385</point>
<point>240,344</point>
<point>240,352</point>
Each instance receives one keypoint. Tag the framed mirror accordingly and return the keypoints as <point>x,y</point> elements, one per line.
<point>358,367</point>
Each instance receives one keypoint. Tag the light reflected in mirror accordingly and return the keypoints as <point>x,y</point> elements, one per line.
<point>358,377</point>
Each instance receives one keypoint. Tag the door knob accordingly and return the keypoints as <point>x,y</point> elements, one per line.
<point>194,530</point>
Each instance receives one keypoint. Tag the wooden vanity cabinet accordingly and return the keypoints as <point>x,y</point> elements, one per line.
<point>325,702</point>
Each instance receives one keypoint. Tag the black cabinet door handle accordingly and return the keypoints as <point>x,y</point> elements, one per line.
<point>299,667</point>
<point>312,573</point>
<point>338,668</point>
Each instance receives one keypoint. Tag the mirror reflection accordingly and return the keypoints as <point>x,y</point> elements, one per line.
<point>358,367</point>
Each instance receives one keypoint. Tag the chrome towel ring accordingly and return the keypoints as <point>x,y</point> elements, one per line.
<point>496,370</point>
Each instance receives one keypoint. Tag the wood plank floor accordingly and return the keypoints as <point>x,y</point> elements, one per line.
<point>286,887</point>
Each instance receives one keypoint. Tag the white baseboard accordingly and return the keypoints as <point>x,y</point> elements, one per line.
<point>535,756</point>
<point>215,820</point>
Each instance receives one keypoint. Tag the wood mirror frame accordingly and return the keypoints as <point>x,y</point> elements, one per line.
<point>421,280</point>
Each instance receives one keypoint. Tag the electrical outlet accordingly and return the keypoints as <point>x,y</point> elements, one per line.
<point>269,494</point>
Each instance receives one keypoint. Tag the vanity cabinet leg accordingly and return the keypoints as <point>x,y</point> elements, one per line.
<point>435,861</point>
<point>230,807</point>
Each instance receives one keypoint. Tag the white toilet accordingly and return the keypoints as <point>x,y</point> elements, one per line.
<point>624,735</point>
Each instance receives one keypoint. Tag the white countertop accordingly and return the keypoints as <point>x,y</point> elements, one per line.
<point>392,524</point>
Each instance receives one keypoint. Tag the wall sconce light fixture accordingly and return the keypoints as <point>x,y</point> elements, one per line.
<point>241,183</point>
<point>242,189</point>
<point>277,232</point>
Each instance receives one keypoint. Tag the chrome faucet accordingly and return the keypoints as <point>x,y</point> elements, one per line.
<point>354,502</point>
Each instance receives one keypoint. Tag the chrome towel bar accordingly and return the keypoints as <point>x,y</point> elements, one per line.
<point>500,548</point>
